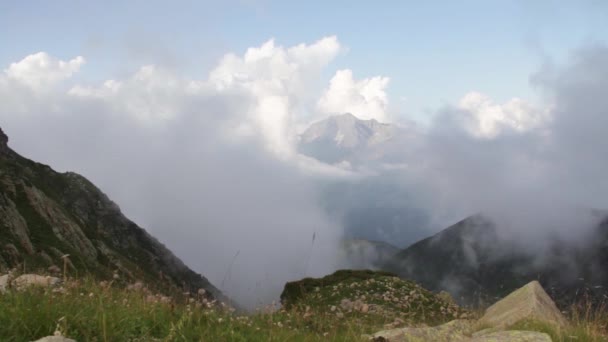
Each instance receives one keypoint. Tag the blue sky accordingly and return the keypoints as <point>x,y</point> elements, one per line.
<point>433,51</point>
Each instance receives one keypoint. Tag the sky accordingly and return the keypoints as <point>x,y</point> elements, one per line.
<point>414,43</point>
<point>187,114</point>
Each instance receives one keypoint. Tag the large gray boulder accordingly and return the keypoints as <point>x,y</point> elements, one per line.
<point>26,280</point>
<point>530,302</point>
<point>512,336</point>
<point>456,331</point>
<point>55,339</point>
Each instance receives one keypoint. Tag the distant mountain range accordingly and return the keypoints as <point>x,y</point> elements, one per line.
<point>472,262</point>
<point>46,215</point>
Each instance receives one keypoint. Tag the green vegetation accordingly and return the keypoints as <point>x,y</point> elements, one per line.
<point>89,310</point>
<point>296,290</point>
<point>370,299</point>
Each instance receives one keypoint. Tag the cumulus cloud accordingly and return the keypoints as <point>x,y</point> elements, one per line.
<point>41,70</point>
<point>279,79</point>
<point>366,98</point>
<point>485,119</point>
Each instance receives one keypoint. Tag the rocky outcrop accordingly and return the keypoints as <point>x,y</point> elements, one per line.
<point>55,339</point>
<point>457,331</point>
<point>453,331</point>
<point>530,302</point>
<point>512,336</point>
<point>27,280</point>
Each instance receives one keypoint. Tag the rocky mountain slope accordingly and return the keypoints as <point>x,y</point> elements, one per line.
<point>45,215</point>
<point>472,262</point>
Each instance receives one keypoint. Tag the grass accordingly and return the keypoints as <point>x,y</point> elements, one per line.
<point>89,310</point>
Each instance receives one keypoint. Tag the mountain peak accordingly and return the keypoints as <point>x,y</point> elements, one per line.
<point>345,117</point>
<point>347,130</point>
<point>337,137</point>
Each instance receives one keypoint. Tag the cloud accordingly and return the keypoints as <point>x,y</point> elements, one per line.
<point>279,80</point>
<point>151,95</point>
<point>41,70</point>
<point>485,119</point>
<point>366,98</point>
<point>535,169</point>
<point>196,162</point>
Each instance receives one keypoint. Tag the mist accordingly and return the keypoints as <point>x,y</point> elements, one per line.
<point>545,179</point>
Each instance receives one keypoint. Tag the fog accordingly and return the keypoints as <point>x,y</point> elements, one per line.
<point>209,165</point>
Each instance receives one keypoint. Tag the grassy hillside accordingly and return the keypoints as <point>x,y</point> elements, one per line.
<point>89,310</point>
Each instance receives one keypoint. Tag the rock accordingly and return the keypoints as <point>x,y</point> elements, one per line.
<point>26,280</point>
<point>453,331</point>
<point>4,283</point>
<point>529,302</point>
<point>513,336</point>
<point>55,339</point>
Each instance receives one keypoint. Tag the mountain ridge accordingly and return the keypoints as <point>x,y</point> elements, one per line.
<point>475,264</point>
<point>46,215</point>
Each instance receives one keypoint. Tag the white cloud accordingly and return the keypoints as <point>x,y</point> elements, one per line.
<point>364,98</point>
<point>272,79</point>
<point>157,143</point>
<point>485,119</point>
<point>40,70</point>
<point>151,95</point>
<point>277,79</point>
